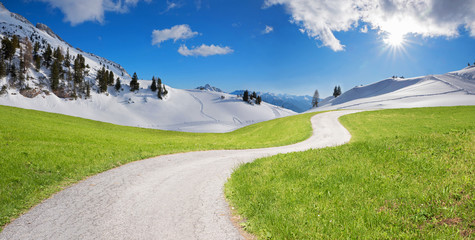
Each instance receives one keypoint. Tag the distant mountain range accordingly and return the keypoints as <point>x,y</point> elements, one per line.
<point>293,102</point>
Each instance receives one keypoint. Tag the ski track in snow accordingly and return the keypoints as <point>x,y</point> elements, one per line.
<point>177,196</point>
<point>202,107</point>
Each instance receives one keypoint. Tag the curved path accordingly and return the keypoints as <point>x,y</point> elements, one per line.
<point>177,196</point>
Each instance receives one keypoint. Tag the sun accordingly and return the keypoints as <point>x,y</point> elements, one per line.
<point>395,40</point>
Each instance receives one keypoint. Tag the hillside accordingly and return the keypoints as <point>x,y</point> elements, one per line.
<point>181,110</point>
<point>450,89</point>
<point>79,90</point>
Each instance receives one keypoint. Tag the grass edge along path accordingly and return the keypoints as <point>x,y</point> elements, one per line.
<point>406,173</point>
<point>41,153</point>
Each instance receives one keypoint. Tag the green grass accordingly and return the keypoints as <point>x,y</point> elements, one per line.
<point>407,174</point>
<point>41,153</point>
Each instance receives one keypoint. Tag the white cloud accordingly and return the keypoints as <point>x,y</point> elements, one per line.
<point>176,33</point>
<point>268,30</point>
<point>79,11</point>
<point>204,50</point>
<point>172,5</point>
<point>319,19</point>
<point>364,29</point>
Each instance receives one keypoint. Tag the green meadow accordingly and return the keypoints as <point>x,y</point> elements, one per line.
<point>41,153</point>
<point>406,174</point>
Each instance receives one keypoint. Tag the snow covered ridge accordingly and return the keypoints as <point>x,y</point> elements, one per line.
<point>180,110</point>
<point>451,89</point>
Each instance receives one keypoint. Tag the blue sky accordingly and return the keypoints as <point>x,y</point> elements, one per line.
<point>309,44</point>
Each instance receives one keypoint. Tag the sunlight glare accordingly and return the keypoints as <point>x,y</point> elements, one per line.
<point>394,39</point>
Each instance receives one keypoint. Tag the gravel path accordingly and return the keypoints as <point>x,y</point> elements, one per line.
<point>177,196</point>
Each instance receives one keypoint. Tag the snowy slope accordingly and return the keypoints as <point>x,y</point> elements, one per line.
<point>450,89</point>
<point>292,102</point>
<point>181,110</point>
<point>15,24</point>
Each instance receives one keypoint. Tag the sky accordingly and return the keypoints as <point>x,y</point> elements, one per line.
<point>281,46</point>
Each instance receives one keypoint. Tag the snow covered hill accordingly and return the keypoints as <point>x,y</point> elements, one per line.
<point>180,110</point>
<point>450,89</point>
<point>293,102</point>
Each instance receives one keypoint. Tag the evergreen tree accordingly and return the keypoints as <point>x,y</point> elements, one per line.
<point>245,96</point>
<point>28,54</point>
<point>154,85</point>
<point>315,98</point>
<point>258,100</point>
<point>165,91</point>
<point>55,72</point>
<point>21,71</point>
<point>117,84</point>
<point>111,78</point>
<point>37,60</point>
<point>335,92</point>
<point>159,93</point>
<point>8,50</point>
<point>134,84</point>
<point>16,41</point>
<point>36,48</point>
<point>58,54</point>
<point>339,90</point>
<point>67,61</point>
<point>253,95</point>
<point>88,90</point>
<point>78,76</point>
<point>13,74</point>
<point>47,55</point>
<point>3,70</point>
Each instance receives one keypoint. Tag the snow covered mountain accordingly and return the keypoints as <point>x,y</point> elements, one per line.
<point>208,87</point>
<point>293,102</point>
<point>31,87</point>
<point>450,89</point>
<point>12,24</point>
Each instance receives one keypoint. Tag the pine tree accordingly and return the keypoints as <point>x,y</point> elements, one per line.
<point>134,84</point>
<point>245,96</point>
<point>16,41</point>
<point>58,54</point>
<point>88,90</point>
<point>28,54</point>
<point>67,61</point>
<point>258,100</point>
<point>253,95</point>
<point>8,50</point>
<point>315,98</point>
<point>55,72</point>
<point>37,60</point>
<point>335,92</point>
<point>165,91</point>
<point>3,70</point>
<point>117,84</point>
<point>159,91</point>
<point>78,76</point>
<point>339,90</point>
<point>111,78</point>
<point>47,55</point>
<point>154,85</point>
<point>36,48</point>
